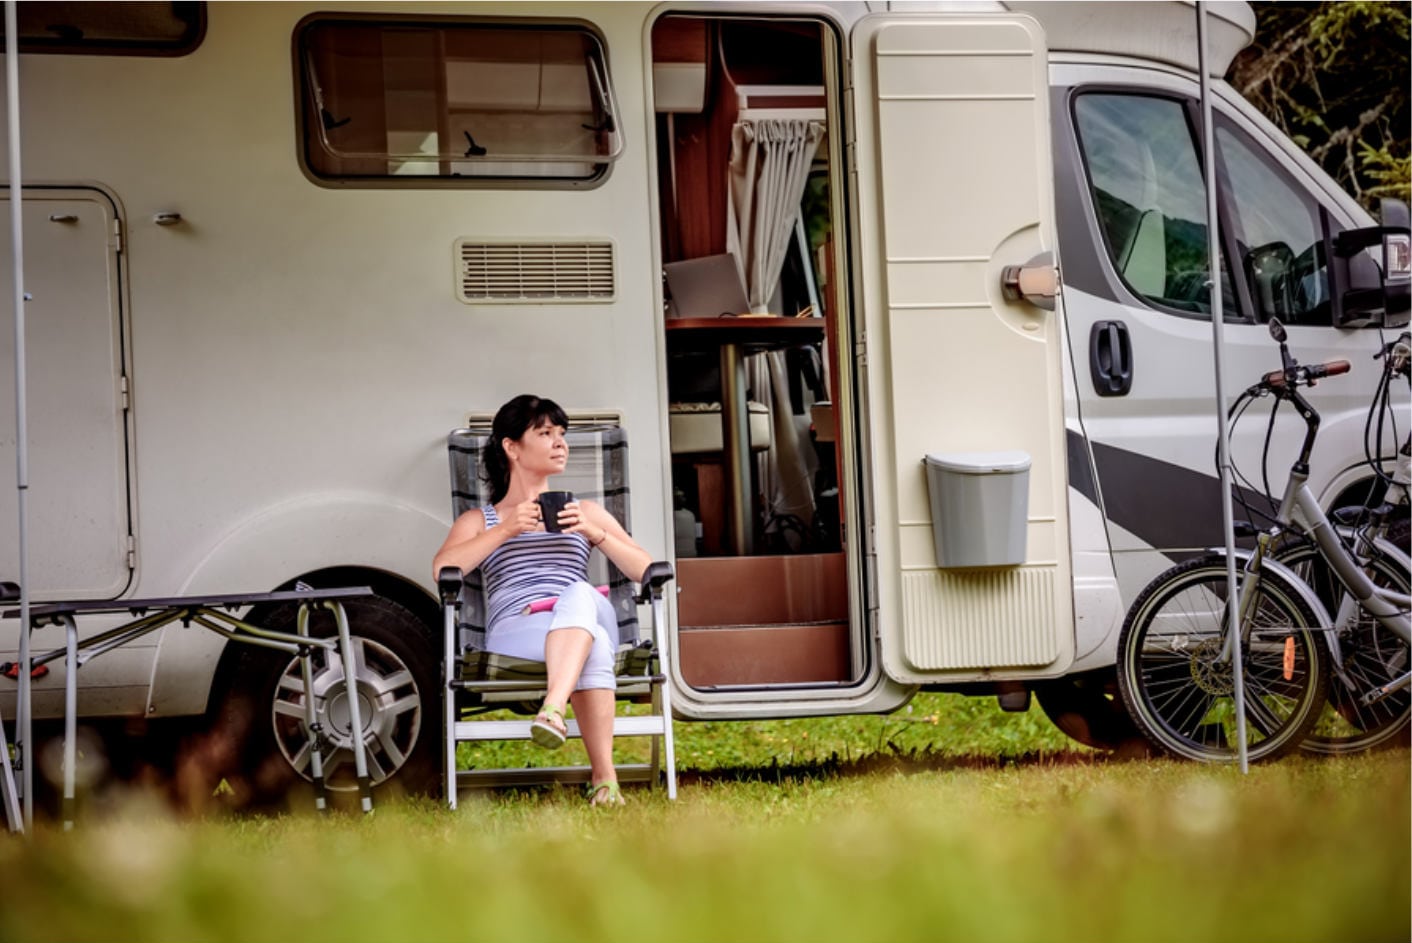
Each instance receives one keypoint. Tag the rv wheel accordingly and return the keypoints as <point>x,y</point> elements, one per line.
<point>262,718</point>
<point>1087,708</point>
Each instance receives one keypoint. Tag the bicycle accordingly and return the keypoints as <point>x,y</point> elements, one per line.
<point>1176,650</point>
<point>1376,534</point>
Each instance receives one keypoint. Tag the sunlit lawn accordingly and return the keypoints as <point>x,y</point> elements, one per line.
<point>909,834</point>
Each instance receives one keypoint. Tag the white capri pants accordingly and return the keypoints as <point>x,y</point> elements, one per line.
<point>580,606</point>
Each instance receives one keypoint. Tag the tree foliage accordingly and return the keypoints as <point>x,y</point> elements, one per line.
<point>1334,77</point>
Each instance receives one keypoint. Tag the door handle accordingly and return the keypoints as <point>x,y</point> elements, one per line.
<point>1110,358</point>
<point>1037,281</point>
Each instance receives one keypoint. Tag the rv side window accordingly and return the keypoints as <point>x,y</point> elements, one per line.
<point>475,102</point>
<point>1280,232</point>
<point>109,29</point>
<point>1148,195</point>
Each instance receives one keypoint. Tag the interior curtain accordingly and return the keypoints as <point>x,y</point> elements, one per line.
<point>769,169</point>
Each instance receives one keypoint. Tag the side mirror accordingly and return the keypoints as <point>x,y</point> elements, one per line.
<point>1372,287</point>
<point>1277,331</point>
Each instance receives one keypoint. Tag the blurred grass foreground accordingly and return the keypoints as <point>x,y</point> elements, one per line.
<point>909,842</point>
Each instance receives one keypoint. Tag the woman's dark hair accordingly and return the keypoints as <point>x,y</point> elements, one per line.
<point>514,419</point>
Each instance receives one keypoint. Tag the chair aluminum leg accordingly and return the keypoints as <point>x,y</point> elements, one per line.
<point>448,702</point>
<point>659,631</point>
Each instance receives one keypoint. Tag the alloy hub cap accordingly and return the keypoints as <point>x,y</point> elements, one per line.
<point>389,705</point>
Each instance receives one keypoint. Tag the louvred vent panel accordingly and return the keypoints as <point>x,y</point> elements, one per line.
<point>536,272</point>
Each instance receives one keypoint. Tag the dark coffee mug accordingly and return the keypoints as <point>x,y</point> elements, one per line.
<point>550,504</point>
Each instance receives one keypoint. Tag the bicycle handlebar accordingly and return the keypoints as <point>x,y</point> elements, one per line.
<point>1304,374</point>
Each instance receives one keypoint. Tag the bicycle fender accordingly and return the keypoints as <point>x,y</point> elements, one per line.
<point>1303,590</point>
<point>1293,582</point>
<point>1393,552</point>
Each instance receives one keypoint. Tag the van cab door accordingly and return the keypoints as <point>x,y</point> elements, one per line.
<point>953,185</point>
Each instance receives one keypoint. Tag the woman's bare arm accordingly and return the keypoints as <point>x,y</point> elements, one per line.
<point>470,541</point>
<point>603,531</point>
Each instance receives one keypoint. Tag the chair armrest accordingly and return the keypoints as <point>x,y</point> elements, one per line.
<point>449,582</point>
<point>658,574</point>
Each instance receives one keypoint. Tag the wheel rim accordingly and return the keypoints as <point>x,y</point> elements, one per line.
<point>1184,696</point>
<point>389,705</point>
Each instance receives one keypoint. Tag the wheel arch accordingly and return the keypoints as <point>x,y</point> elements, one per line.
<point>390,586</point>
<point>353,539</point>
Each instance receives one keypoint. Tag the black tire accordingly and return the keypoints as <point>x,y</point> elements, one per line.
<point>1372,656</point>
<point>1088,708</point>
<point>260,720</point>
<point>1179,694</point>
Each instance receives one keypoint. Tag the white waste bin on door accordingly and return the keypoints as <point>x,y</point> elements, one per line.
<point>980,507</point>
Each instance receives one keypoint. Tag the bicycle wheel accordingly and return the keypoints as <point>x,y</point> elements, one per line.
<point>1180,693</point>
<point>1372,656</point>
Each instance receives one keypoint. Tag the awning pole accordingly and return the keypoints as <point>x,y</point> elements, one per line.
<point>23,740</point>
<point>1213,257</point>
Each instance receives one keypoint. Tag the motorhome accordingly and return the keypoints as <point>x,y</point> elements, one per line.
<point>828,266</point>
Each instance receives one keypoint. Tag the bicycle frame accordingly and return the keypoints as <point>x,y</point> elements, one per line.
<point>1300,510</point>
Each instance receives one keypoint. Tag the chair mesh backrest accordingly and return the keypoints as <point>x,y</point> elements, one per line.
<point>597,469</point>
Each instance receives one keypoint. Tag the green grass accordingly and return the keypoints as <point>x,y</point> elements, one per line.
<point>1136,851</point>
<point>916,839</point>
<point>938,725</point>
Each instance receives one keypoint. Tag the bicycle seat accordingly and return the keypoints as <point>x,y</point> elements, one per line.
<point>1350,516</point>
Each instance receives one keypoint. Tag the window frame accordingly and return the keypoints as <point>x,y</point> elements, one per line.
<point>142,48</point>
<point>1190,109</point>
<point>303,104</point>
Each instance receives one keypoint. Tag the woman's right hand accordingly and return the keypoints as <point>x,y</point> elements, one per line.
<point>525,517</point>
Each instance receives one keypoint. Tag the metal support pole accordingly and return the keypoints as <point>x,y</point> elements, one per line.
<point>23,722</point>
<point>735,446</point>
<point>1213,256</point>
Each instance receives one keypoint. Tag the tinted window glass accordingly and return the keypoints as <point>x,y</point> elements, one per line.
<point>1148,193</point>
<point>405,100</point>
<point>1280,233</point>
<point>138,28</point>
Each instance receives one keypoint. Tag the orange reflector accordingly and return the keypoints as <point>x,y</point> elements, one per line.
<point>1289,659</point>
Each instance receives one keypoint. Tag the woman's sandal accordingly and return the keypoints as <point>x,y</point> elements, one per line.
<point>549,729</point>
<point>607,794</point>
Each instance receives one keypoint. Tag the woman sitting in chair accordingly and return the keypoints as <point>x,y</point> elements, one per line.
<point>523,564</point>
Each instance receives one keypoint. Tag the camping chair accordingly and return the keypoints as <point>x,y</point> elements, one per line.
<point>476,681</point>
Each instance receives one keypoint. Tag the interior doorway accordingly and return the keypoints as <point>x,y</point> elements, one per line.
<point>750,185</point>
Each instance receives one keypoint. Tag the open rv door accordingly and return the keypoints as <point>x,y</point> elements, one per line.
<point>954,187</point>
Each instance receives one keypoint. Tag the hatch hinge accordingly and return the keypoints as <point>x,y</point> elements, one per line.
<point>117,235</point>
<point>131,552</point>
<point>123,391</point>
<point>860,349</point>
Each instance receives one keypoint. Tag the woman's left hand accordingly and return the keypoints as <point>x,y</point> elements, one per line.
<point>573,519</point>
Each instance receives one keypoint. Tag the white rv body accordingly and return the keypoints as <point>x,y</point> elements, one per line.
<point>243,375</point>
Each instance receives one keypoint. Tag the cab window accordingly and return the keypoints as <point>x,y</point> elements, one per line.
<point>1279,230</point>
<point>1145,178</point>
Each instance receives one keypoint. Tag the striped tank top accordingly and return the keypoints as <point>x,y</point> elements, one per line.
<point>531,566</point>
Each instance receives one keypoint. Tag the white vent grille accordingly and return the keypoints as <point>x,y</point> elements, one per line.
<point>510,272</point>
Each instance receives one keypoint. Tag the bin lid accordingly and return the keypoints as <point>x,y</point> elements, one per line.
<point>980,463</point>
